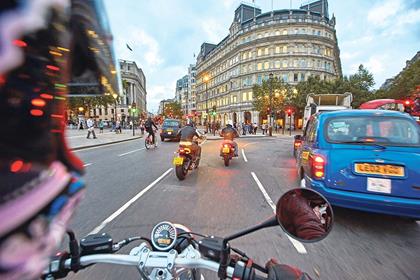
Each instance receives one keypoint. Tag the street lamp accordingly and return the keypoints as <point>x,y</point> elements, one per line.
<point>270,129</point>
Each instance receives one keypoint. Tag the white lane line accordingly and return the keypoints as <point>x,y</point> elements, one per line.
<point>298,245</point>
<point>244,156</point>
<point>87,164</point>
<point>128,203</point>
<point>130,152</point>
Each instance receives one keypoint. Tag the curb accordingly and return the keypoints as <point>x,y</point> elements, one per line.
<point>104,144</point>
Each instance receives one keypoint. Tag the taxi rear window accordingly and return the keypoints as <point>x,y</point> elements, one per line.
<point>376,129</point>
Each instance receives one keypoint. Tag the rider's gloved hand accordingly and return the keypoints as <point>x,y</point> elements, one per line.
<point>278,271</point>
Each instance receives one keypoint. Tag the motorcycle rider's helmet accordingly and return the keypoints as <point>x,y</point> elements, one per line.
<point>48,48</point>
<point>229,123</point>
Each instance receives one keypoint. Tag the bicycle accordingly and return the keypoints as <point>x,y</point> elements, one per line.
<point>148,142</point>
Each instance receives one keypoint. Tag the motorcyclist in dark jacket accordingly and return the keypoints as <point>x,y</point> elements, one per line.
<point>186,136</point>
<point>229,134</point>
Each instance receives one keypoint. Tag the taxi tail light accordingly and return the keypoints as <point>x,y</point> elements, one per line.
<point>318,166</point>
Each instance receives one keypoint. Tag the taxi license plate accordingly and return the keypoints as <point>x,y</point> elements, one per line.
<point>226,150</point>
<point>379,169</point>
<point>178,160</point>
<point>169,130</point>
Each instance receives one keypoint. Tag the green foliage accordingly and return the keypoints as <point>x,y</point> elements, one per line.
<point>281,95</point>
<point>406,83</point>
<point>172,110</point>
<point>359,84</point>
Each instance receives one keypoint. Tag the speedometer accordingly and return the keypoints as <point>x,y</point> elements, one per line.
<point>164,236</point>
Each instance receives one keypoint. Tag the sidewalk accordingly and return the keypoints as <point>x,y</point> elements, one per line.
<point>77,138</point>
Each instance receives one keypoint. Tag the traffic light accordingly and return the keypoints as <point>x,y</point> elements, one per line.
<point>407,102</point>
<point>289,112</point>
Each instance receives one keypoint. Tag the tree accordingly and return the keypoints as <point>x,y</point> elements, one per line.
<point>172,110</point>
<point>406,83</point>
<point>281,94</point>
<point>359,84</point>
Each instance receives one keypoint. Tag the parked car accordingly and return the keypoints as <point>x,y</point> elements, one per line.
<point>363,159</point>
<point>170,128</point>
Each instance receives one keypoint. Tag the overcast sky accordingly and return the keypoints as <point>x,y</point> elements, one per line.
<point>165,35</point>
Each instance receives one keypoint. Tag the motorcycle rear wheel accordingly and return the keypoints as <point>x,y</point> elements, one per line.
<point>181,170</point>
<point>226,160</point>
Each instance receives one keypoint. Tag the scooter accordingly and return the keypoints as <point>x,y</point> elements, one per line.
<point>227,151</point>
<point>174,252</point>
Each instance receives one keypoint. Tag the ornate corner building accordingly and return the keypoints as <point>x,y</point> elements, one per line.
<point>292,44</point>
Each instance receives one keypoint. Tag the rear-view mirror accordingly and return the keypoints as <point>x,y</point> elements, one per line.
<point>305,215</point>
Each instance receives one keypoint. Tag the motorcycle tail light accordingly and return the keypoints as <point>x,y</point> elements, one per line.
<point>318,166</point>
<point>298,144</point>
<point>226,145</point>
<point>184,150</point>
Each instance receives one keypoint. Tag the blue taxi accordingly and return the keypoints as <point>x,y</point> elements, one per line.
<point>363,159</point>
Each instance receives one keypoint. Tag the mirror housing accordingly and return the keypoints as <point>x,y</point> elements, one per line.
<point>305,215</point>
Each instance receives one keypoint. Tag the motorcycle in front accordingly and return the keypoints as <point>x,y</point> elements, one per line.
<point>227,151</point>
<point>187,158</point>
<point>173,252</point>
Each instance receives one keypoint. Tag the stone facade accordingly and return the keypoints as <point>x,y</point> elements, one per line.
<point>291,44</point>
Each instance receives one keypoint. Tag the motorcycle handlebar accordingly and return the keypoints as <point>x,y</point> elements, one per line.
<point>134,261</point>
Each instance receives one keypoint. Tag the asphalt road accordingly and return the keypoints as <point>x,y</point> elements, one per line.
<point>217,200</point>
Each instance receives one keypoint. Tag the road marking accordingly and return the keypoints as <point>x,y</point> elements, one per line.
<point>133,151</point>
<point>87,164</point>
<point>128,203</point>
<point>248,144</point>
<point>298,245</point>
<point>205,140</point>
<point>244,156</point>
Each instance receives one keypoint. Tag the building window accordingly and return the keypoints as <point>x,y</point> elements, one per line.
<point>285,78</point>
<point>284,49</point>
<point>244,55</point>
<point>295,63</point>
<point>266,65</point>
<point>302,77</point>
<point>122,110</point>
<point>259,66</point>
<point>284,63</point>
<point>259,79</point>
<point>250,95</point>
<point>112,111</point>
<point>259,52</point>
<point>266,51</point>
<point>277,64</point>
<point>295,77</point>
<point>284,31</point>
<point>277,32</point>
<point>244,96</point>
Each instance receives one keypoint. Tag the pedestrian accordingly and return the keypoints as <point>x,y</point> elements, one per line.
<point>118,127</point>
<point>255,128</point>
<point>91,128</point>
<point>101,126</point>
<point>243,129</point>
